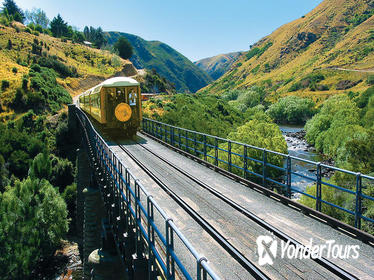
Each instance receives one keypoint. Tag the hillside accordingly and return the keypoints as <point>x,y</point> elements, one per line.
<point>312,56</point>
<point>78,67</point>
<point>168,62</point>
<point>217,65</point>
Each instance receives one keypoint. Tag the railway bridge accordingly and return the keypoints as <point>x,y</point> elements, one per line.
<point>178,204</point>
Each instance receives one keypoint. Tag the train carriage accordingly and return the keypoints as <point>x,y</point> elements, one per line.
<point>115,104</point>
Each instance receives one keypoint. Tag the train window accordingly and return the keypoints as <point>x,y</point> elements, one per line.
<point>132,97</point>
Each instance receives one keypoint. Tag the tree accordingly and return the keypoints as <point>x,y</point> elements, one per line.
<point>59,27</point>
<point>94,35</point>
<point>33,221</point>
<point>292,109</point>
<point>260,132</point>
<point>41,167</point>
<point>124,48</point>
<point>13,10</point>
<point>37,17</point>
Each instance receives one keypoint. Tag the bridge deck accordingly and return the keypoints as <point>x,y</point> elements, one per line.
<point>237,228</point>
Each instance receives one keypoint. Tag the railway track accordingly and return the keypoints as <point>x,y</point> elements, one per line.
<point>215,234</point>
<point>234,252</point>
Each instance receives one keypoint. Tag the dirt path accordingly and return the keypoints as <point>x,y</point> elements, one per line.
<point>351,70</point>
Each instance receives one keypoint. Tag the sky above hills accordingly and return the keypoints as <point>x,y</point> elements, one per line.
<point>196,28</point>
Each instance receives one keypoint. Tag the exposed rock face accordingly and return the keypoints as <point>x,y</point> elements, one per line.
<point>299,42</point>
<point>346,84</point>
<point>128,70</point>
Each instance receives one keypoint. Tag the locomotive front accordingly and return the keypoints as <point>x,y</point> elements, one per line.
<point>115,104</point>
<point>122,102</point>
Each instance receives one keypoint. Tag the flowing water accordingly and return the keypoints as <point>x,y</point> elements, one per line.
<point>299,148</point>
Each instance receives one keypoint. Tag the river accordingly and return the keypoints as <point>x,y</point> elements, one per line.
<point>299,148</point>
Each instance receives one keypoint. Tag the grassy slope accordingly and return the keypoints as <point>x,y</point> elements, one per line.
<point>217,65</point>
<point>168,62</point>
<point>88,61</point>
<point>290,58</point>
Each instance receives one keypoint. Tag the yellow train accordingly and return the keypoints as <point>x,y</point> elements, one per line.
<point>115,104</point>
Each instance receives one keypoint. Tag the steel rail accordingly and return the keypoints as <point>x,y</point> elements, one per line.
<point>321,261</point>
<point>235,253</point>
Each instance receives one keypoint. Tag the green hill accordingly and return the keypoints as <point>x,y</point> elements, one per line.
<point>327,51</point>
<point>168,62</point>
<point>217,65</point>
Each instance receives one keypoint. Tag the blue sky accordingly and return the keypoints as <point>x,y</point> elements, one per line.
<point>196,28</point>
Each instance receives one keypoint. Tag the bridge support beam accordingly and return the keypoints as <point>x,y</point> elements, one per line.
<point>93,213</point>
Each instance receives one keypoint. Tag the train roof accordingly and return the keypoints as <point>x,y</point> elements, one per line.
<point>119,82</point>
<point>113,82</point>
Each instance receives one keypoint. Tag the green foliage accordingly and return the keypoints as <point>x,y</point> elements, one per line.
<point>360,151</point>
<point>65,142</point>
<point>153,82</point>
<point>4,173</point>
<point>251,53</point>
<point>78,37</point>
<point>208,114</point>
<point>258,51</point>
<point>370,80</point>
<point>41,167</point>
<point>295,87</point>
<point>59,27</point>
<point>124,48</point>
<point>260,132</point>
<point>13,10</point>
<point>248,98</point>
<point>336,131</point>
<point>292,109</point>
<point>53,63</point>
<point>37,17</point>
<point>18,148</point>
<point>94,35</point>
<point>70,197</point>
<point>44,93</point>
<point>331,195</point>
<point>33,222</point>
<point>310,81</point>
<point>62,173</point>
<point>15,70</point>
<point>357,19</point>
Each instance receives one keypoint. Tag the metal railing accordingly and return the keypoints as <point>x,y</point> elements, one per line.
<point>136,217</point>
<point>269,168</point>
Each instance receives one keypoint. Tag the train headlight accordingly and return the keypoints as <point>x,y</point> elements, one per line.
<point>123,112</point>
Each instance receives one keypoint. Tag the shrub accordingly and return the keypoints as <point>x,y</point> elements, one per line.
<point>31,26</point>
<point>261,132</point>
<point>9,46</point>
<point>59,67</point>
<point>35,220</point>
<point>370,80</point>
<point>295,87</point>
<point>28,30</point>
<point>41,167</point>
<point>70,197</point>
<point>14,70</point>
<point>36,33</point>
<point>124,48</point>
<point>39,28</point>
<point>4,84</point>
<point>292,109</point>
<point>336,123</point>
